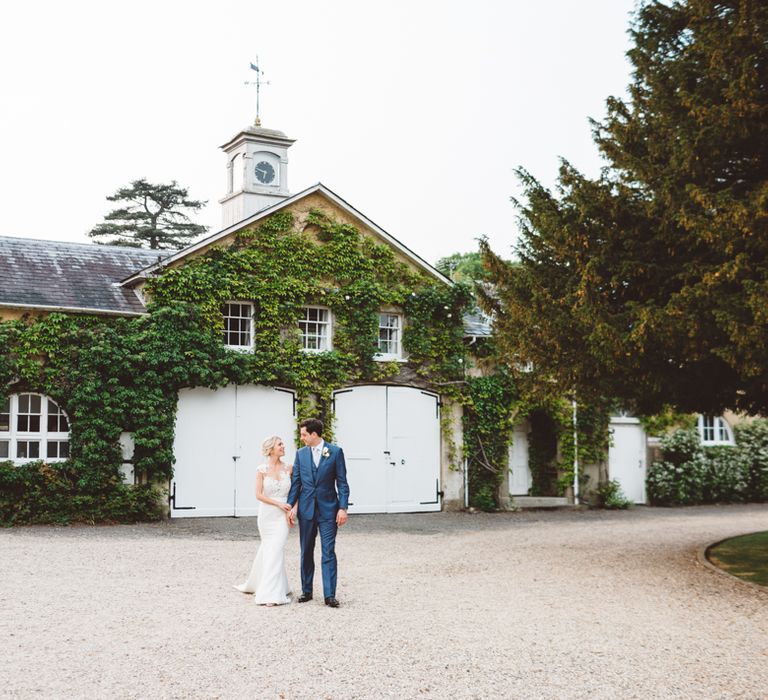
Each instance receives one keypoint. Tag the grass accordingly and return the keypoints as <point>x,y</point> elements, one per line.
<point>745,556</point>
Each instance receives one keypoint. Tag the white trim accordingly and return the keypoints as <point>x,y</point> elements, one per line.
<point>625,420</point>
<point>241,348</point>
<point>42,436</point>
<point>329,323</point>
<point>268,211</point>
<point>391,356</point>
<point>719,425</point>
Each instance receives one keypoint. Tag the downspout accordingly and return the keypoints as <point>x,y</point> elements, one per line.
<point>575,454</point>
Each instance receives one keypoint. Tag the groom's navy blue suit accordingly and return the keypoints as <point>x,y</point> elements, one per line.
<point>321,491</point>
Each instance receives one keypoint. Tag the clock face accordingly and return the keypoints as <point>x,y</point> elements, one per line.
<point>265,173</point>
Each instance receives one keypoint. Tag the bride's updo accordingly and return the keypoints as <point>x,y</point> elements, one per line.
<point>269,444</point>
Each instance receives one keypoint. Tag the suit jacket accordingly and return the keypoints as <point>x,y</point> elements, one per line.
<point>323,491</point>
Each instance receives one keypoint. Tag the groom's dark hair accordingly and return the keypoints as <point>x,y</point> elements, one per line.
<point>312,425</point>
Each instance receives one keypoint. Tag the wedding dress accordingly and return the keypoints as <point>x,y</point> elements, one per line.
<point>268,581</point>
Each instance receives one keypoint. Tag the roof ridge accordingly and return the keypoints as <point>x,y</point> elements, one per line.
<point>98,246</point>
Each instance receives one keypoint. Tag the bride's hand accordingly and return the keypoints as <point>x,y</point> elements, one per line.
<point>285,507</point>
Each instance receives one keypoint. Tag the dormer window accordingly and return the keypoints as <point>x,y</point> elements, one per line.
<point>32,426</point>
<point>315,327</point>
<point>238,325</point>
<point>713,430</point>
<point>390,337</point>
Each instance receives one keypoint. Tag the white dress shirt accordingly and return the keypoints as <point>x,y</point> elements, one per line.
<point>317,451</point>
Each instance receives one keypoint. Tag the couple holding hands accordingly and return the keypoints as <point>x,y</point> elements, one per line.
<point>316,488</point>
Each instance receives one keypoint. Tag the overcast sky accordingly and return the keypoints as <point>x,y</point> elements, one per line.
<point>414,111</point>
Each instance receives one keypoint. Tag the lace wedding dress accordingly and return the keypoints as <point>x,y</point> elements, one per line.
<point>267,580</point>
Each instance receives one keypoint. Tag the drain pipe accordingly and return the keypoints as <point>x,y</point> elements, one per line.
<point>466,485</point>
<point>575,454</point>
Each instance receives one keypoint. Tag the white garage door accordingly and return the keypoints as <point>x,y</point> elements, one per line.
<point>520,479</point>
<point>391,441</point>
<point>627,457</point>
<point>218,447</point>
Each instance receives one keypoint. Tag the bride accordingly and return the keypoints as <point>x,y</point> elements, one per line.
<point>267,580</point>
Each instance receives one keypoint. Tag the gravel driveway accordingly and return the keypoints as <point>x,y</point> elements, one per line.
<point>566,604</point>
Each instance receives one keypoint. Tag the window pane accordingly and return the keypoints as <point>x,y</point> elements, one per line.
<point>4,447</point>
<point>237,324</point>
<point>35,405</point>
<point>5,422</point>
<point>24,403</point>
<point>34,424</point>
<point>58,449</point>
<point>26,449</point>
<point>389,334</point>
<point>22,424</point>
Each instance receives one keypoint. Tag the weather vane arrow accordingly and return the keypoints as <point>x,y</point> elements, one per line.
<point>258,83</point>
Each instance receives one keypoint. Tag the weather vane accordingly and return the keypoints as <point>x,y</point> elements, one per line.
<point>258,83</point>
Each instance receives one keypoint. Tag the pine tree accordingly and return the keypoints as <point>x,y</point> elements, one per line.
<point>152,217</point>
<point>650,282</point>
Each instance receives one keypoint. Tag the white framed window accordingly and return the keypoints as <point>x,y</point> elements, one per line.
<point>238,325</point>
<point>390,336</point>
<point>32,426</point>
<point>315,327</point>
<point>714,430</point>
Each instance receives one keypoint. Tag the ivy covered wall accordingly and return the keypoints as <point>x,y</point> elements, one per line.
<point>116,374</point>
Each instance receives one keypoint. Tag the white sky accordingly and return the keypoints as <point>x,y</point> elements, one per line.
<point>414,111</point>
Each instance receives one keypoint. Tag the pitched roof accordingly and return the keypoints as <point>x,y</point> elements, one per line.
<point>70,276</point>
<point>267,211</point>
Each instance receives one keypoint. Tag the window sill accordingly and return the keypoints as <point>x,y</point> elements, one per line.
<point>390,358</point>
<point>239,348</point>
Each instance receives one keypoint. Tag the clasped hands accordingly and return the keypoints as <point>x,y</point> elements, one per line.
<point>290,515</point>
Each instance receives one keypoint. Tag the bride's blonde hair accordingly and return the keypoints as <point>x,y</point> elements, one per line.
<point>268,444</point>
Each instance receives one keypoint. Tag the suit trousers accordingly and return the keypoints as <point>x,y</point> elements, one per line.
<point>308,530</point>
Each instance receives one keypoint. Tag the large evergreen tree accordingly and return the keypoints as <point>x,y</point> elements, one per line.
<point>650,282</point>
<point>153,216</point>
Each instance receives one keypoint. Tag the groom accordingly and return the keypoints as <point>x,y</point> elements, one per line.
<point>319,472</point>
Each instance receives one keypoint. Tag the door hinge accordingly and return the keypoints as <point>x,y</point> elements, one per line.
<point>172,501</point>
<point>438,495</point>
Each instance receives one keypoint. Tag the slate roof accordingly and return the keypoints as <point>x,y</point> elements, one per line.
<point>70,276</point>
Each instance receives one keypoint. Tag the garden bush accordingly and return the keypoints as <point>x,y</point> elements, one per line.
<point>612,497</point>
<point>42,493</point>
<point>690,473</point>
<point>752,442</point>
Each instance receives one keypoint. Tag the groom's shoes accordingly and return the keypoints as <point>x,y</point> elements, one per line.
<point>331,602</point>
<point>305,597</point>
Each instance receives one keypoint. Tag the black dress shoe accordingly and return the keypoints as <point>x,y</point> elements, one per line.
<point>305,597</point>
<point>331,602</point>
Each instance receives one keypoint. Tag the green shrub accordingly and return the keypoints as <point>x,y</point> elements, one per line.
<point>611,496</point>
<point>752,442</point>
<point>42,493</point>
<point>484,497</point>
<point>690,474</point>
<point>725,475</point>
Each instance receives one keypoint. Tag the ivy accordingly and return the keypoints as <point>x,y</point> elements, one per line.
<point>115,374</point>
<point>487,420</point>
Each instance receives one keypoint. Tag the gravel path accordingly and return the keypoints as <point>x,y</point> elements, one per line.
<point>567,604</point>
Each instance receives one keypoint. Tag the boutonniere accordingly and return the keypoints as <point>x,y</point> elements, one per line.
<point>326,452</point>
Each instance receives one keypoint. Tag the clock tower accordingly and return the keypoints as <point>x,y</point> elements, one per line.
<point>257,172</point>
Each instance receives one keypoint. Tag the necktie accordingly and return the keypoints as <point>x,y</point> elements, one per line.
<point>316,456</point>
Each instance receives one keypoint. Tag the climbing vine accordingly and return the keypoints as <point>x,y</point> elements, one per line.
<point>113,374</point>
